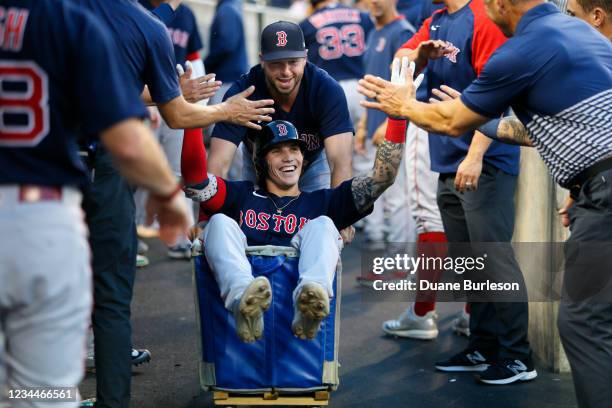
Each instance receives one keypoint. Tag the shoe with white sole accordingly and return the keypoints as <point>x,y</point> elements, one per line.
<point>180,251</point>
<point>141,261</point>
<point>508,371</point>
<point>140,356</point>
<point>461,324</point>
<point>465,361</point>
<point>249,310</point>
<point>311,307</point>
<point>411,326</point>
<point>142,247</point>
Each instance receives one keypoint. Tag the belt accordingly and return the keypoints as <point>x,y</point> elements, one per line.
<point>585,175</point>
<point>35,194</point>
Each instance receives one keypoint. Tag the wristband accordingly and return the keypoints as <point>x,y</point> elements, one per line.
<point>168,197</point>
<point>396,130</point>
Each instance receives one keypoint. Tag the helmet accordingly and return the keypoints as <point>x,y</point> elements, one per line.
<point>272,134</point>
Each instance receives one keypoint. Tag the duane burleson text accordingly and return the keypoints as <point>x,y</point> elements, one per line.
<point>466,285</point>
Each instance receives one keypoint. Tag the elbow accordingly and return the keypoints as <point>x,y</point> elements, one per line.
<point>452,130</point>
<point>127,151</point>
<point>173,122</point>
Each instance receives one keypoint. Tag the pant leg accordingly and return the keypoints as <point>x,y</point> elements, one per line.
<point>373,224</point>
<point>171,141</point>
<point>489,213</point>
<point>585,311</point>
<point>45,300</point>
<point>483,332</point>
<point>349,86</point>
<point>320,245</point>
<point>422,182</point>
<point>399,221</point>
<point>224,246</point>
<point>109,206</point>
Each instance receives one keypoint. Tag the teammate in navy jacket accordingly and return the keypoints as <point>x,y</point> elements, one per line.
<point>303,95</point>
<point>455,43</point>
<point>48,55</point>
<point>556,74</point>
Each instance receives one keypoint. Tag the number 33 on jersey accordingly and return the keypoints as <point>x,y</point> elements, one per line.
<point>335,36</point>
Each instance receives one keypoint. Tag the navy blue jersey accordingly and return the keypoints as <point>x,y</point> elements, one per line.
<point>227,56</point>
<point>319,110</point>
<point>556,74</point>
<point>256,210</point>
<point>60,76</point>
<point>336,38</point>
<point>141,39</point>
<point>473,37</point>
<point>383,43</point>
<point>183,31</point>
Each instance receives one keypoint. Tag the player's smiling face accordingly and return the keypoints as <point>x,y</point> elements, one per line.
<point>284,76</point>
<point>284,166</point>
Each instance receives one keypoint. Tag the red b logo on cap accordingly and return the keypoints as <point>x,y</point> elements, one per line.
<point>282,38</point>
<point>282,129</point>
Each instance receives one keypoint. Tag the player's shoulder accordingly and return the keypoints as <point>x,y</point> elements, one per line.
<point>401,25</point>
<point>317,76</point>
<point>254,77</point>
<point>74,21</point>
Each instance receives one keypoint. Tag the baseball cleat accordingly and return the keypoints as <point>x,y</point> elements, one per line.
<point>249,310</point>
<point>140,356</point>
<point>311,307</point>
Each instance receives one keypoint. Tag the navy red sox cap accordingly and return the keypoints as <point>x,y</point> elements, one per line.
<point>282,40</point>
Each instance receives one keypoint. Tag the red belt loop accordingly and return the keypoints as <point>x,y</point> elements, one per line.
<point>34,194</point>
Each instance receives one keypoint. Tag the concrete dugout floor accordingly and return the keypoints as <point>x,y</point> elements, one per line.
<point>376,372</point>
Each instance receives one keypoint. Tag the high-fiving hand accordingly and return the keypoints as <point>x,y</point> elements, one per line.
<point>391,96</point>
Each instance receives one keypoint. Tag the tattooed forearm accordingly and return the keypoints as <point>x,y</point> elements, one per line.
<point>366,189</point>
<point>512,131</point>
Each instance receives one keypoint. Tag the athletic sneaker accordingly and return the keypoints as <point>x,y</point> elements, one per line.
<point>508,371</point>
<point>467,360</point>
<point>88,403</point>
<point>461,324</point>
<point>142,247</point>
<point>141,261</point>
<point>311,307</point>
<point>411,326</point>
<point>249,309</point>
<point>140,356</point>
<point>180,251</point>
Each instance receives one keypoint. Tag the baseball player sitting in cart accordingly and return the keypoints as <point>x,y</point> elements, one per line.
<point>276,212</point>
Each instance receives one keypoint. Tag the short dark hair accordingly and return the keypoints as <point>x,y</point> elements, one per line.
<point>589,5</point>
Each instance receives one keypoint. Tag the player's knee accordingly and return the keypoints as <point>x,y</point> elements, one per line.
<point>220,221</point>
<point>321,221</point>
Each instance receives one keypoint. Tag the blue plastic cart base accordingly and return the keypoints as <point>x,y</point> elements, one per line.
<point>279,369</point>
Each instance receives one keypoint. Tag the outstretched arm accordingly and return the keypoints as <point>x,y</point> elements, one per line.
<point>509,129</point>
<point>366,189</point>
